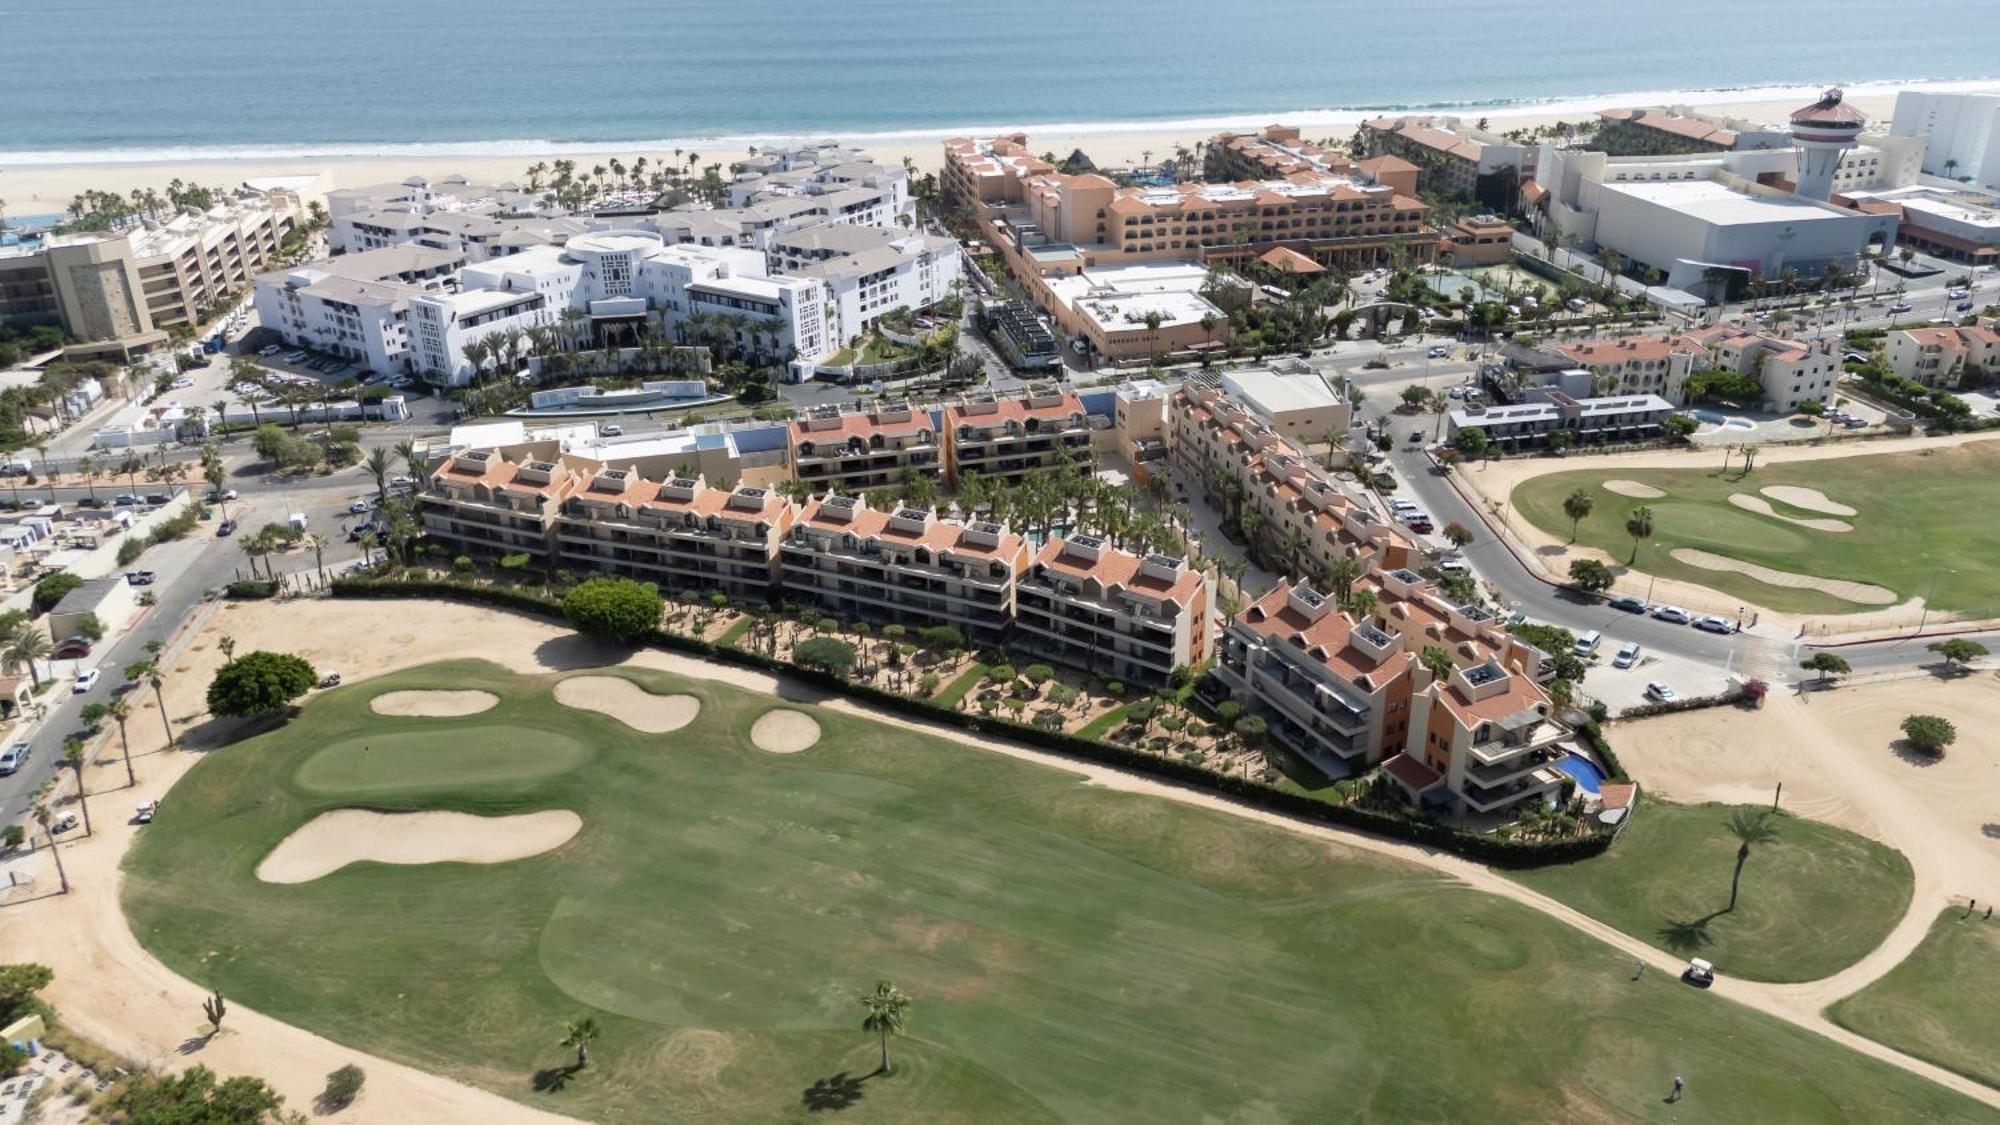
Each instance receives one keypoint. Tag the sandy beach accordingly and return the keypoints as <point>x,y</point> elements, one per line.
<point>30,186</point>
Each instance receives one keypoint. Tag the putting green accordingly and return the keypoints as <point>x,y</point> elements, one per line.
<point>1918,525</point>
<point>395,761</point>
<point>1073,953</point>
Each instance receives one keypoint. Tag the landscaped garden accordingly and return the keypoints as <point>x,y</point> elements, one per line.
<point>1813,898</point>
<point>1070,952</point>
<point>1844,535</point>
<point>1938,1004</point>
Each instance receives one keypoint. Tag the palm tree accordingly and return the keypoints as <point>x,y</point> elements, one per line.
<point>579,1033</point>
<point>1341,574</point>
<point>149,670</point>
<point>378,467</point>
<point>1749,827</point>
<point>1577,506</point>
<point>74,757</point>
<point>119,711</point>
<point>1362,604</point>
<point>1436,659</point>
<point>1639,525</point>
<point>886,1008</point>
<point>46,819</point>
<point>318,544</point>
<point>29,647</point>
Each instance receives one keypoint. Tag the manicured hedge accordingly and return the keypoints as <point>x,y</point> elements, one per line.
<point>253,588</point>
<point>1593,736</point>
<point>1485,849</point>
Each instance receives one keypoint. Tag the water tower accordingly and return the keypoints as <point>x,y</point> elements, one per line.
<point>1823,131</point>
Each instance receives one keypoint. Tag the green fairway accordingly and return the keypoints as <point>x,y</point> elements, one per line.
<point>1073,953</point>
<point>1814,901</point>
<point>1921,525</point>
<point>1938,1004</point>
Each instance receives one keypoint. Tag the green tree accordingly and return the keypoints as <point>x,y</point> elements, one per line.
<point>1929,733</point>
<point>1415,395</point>
<point>28,648</point>
<point>378,467</point>
<point>18,985</point>
<point>46,817</point>
<point>1749,826</point>
<point>887,1009</point>
<point>581,1033</point>
<point>1827,664</point>
<point>1436,659</point>
<point>1458,535</point>
<point>194,1097</point>
<point>828,653</point>
<point>1590,575</point>
<point>1957,651</point>
<point>1639,525</point>
<point>1577,506</point>
<point>74,759</point>
<point>259,683</point>
<point>51,590</point>
<point>618,609</point>
<point>342,1087</point>
<point>1471,441</point>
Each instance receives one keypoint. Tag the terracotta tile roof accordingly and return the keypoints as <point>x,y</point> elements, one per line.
<point>937,535</point>
<point>1013,409</point>
<point>1289,260</point>
<point>1522,694</point>
<point>1376,165</point>
<point>1411,772</point>
<point>862,425</point>
<point>1114,567</point>
<point>1625,348</point>
<point>1617,794</point>
<point>1273,617</point>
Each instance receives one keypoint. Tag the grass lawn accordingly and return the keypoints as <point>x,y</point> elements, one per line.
<point>1814,901</point>
<point>1938,1004</point>
<point>951,693</point>
<point>1917,521</point>
<point>736,632</point>
<point>1103,724</point>
<point>1073,953</point>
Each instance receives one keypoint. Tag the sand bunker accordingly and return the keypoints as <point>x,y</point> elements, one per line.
<point>1763,507</point>
<point>1860,592</point>
<point>628,703</point>
<point>1811,499</point>
<point>331,841</point>
<point>784,732</point>
<point>1633,489</point>
<point>433,704</point>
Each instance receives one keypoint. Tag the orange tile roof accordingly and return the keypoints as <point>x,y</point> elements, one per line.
<point>937,535</point>
<point>1273,617</point>
<point>1014,409</point>
<point>1625,348</point>
<point>1114,567</point>
<point>863,425</point>
<point>1522,694</point>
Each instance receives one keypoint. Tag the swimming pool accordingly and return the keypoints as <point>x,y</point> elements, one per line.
<point>1588,776</point>
<point>1715,419</point>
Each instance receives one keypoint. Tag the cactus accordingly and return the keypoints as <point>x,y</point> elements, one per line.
<point>215,1007</point>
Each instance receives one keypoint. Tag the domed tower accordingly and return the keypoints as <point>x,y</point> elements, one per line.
<point>1823,131</point>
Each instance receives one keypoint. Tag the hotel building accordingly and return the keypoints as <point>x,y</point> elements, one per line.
<point>1791,371</point>
<point>1123,616</point>
<point>119,293</point>
<point>356,305</point>
<point>679,533</point>
<point>481,503</point>
<point>1453,157</point>
<point>906,566</point>
<point>1005,439</point>
<point>844,450</point>
<point>1274,153</point>
<point>1628,365</point>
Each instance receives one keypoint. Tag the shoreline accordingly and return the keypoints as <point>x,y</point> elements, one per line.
<point>34,183</point>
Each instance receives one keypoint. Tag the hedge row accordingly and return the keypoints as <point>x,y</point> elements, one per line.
<point>1732,695</point>
<point>1593,737</point>
<point>1485,849</point>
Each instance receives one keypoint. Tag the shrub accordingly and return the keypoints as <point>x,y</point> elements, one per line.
<point>462,564</point>
<point>1039,674</point>
<point>827,654</point>
<point>129,551</point>
<point>89,627</point>
<point>259,683</point>
<point>252,588</point>
<point>1000,674</point>
<point>13,836</point>
<point>1590,575</point>
<point>1929,733</point>
<point>941,637</point>
<point>511,562</point>
<point>342,1087</point>
<point>53,589</point>
<point>618,609</point>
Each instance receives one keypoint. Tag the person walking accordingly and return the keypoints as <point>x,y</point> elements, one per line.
<point>1676,1095</point>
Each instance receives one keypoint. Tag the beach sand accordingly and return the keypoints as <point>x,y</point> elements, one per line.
<point>31,188</point>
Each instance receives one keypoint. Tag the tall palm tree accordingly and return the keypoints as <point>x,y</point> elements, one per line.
<point>886,1008</point>
<point>86,466</point>
<point>1749,827</point>
<point>29,647</point>
<point>318,544</point>
<point>378,467</point>
<point>119,711</point>
<point>1362,603</point>
<point>1577,506</point>
<point>47,819</point>
<point>1639,525</point>
<point>149,670</point>
<point>1436,659</point>
<point>1341,573</point>
<point>74,757</point>
<point>579,1033</point>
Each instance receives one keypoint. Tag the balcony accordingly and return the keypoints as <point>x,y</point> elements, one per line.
<point>1486,799</point>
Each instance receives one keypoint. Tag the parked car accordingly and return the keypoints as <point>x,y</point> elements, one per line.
<point>269,350</point>
<point>1628,655</point>
<point>76,648</point>
<point>225,529</point>
<point>1587,644</point>
<point>1627,604</point>
<point>1672,615</point>
<point>85,680</point>
<point>1660,692</point>
<point>126,500</point>
<point>1964,306</point>
<point>225,494</point>
<point>402,481</point>
<point>1901,307</point>
<point>139,577</point>
<point>1439,351</point>
<point>157,498</point>
<point>16,756</point>
<point>1715,625</point>
<point>1454,566</point>
<point>611,429</point>
<point>361,506</point>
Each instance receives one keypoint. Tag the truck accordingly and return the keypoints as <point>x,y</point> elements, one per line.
<point>297,520</point>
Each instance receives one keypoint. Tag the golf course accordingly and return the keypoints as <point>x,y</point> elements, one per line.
<point>1824,536</point>
<point>1938,1004</point>
<point>718,895</point>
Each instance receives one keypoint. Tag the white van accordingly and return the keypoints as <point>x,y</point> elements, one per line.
<point>1587,644</point>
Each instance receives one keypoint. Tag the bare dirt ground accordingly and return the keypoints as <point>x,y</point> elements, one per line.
<point>331,841</point>
<point>629,703</point>
<point>113,991</point>
<point>784,732</point>
<point>432,704</point>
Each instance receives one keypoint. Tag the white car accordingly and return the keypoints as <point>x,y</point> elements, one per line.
<point>269,350</point>
<point>1628,655</point>
<point>85,680</point>
<point>1660,692</point>
<point>361,506</point>
<point>1672,615</point>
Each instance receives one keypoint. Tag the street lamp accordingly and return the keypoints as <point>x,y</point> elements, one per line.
<point>1925,616</point>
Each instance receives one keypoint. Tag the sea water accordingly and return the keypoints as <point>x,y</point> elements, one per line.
<point>168,79</point>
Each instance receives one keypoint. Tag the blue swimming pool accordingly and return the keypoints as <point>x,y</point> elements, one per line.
<point>1588,776</point>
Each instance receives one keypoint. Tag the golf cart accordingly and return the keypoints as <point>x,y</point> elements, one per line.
<point>145,813</point>
<point>1699,973</point>
<point>331,679</point>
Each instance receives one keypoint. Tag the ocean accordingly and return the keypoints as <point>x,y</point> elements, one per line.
<point>172,79</point>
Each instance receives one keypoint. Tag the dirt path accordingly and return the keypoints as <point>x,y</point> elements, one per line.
<point>113,991</point>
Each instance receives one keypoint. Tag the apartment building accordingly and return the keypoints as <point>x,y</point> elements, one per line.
<point>1275,152</point>
<point>1632,365</point>
<point>1616,418</point>
<point>1490,743</point>
<point>1123,616</point>
<point>1660,132</point>
<point>358,305</point>
<point>1005,439</point>
<point>1791,371</point>
<point>480,502</point>
<point>679,533</point>
<point>390,214</point>
<point>1961,132</point>
<point>1453,157</point>
<point>1479,240</point>
<point>1940,357</point>
<point>905,566</point>
<point>846,450</point>
<point>868,272</point>
<point>1298,502</point>
<point>117,293</point>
